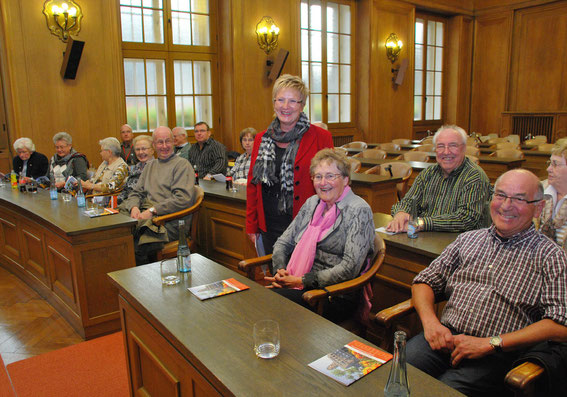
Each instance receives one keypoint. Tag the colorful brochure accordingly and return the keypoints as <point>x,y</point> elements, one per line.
<point>351,362</point>
<point>218,288</point>
<point>94,213</point>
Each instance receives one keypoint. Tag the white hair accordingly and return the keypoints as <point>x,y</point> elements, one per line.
<point>111,144</point>
<point>453,127</point>
<point>24,143</point>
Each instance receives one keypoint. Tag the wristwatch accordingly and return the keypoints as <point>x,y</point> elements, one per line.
<point>496,343</point>
<point>153,210</point>
<point>420,224</point>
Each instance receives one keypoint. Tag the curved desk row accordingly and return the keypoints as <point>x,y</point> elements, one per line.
<point>64,255</point>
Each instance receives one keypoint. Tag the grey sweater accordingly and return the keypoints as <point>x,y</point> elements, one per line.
<point>342,252</point>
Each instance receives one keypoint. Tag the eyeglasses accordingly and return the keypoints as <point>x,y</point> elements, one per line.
<point>328,177</point>
<point>166,142</point>
<point>291,102</point>
<point>452,147</point>
<point>554,164</point>
<point>141,149</point>
<point>501,197</point>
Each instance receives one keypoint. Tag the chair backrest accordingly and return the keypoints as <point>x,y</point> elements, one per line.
<point>399,170</point>
<point>508,153</point>
<point>542,137</point>
<point>472,151</point>
<point>538,140</point>
<point>355,164</point>
<point>416,156</point>
<point>401,141</point>
<point>504,145</point>
<point>341,150</point>
<point>389,146</point>
<point>494,141</point>
<point>472,141</point>
<point>355,145</point>
<point>372,154</point>
<point>514,138</point>
<point>426,148</point>
<point>474,159</point>
<point>545,147</point>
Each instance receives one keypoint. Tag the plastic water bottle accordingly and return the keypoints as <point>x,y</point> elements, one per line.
<point>52,187</point>
<point>81,202</point>
<point>183,252</point>
<point>397,385</point>
<point>412,223</point>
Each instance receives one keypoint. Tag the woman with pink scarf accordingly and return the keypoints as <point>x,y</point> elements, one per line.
<point>328,242</point>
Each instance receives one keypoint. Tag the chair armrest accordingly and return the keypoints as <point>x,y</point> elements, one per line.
<point>101,194</point>
<point>314,295</point>
<point>387,316</point>
<point>250,264</point>
<point>162,219</point>
<point>523,376</point>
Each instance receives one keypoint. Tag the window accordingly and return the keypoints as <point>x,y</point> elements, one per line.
<point>326,59</point>
<point>428,90</point>
<point>169,62</point>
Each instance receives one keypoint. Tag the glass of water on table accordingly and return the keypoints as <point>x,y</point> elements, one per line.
<point>266,338</point>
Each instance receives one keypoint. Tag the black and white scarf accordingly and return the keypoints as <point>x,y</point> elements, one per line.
<point>265,167</point>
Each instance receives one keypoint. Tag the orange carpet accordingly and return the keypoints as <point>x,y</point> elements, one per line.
<point>5,384</point>
<point>93,368</point>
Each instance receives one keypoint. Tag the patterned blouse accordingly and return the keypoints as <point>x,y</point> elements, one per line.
<point>135,172</point>
<point>241,167</point>
<point>111,177</point>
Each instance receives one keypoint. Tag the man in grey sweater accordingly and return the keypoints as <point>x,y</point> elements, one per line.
<point>165,186</point>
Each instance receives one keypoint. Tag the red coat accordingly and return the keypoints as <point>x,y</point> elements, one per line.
<point>312,141</point>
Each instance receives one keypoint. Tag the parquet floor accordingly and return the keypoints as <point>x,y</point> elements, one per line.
<point>28,324</point>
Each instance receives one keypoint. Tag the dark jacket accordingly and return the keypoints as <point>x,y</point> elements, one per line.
<point>37,165</point>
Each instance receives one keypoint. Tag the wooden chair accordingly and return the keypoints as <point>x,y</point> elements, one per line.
<point>508,153</point>
<point>545,147</point>
<point>100,194</point>
<point>487,137</point>
<point>472,151</point>
<point>355,164</point>
<point>472,141</point>
<point>514,138</point>
<point>317,297</point>
<point>415,156</point>
<point>474,159</point>
<point>371,154</point>
<point>341,150</point>
<point>389,146</point>
<point>542,137</point>
<point>504,145</point>
<point>170,249</point>
<point>399,170</point>
<point>521,379</point>
<point>427,141</point>
<point>401,141</point>
<point>494,141</point>
<point>355,145</point>
<point>538,140</point>
<point>426,148</point>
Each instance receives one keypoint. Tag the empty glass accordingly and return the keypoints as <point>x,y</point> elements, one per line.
<point>169,271</point>
<point>266,339</point>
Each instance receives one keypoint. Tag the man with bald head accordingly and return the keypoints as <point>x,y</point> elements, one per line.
<point>165,186</point>
<point>180,142</point>
<point>450,196</point>
<point>506,291</point>
<point>127,149</point>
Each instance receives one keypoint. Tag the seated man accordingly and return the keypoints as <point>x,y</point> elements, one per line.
<point>451,196</point>
<point>506,288</point>
<point>208,155</point>
<point>180,142</point>
<point>127,150</point>
<point>165,186</point>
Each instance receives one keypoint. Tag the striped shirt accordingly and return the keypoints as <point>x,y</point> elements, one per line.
<point>209,160</point>
<point>456,203</point>
<point>495,286</point>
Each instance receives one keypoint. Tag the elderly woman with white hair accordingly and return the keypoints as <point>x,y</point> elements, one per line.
<point>28,161</point>
<point>112,173</point>
<point>67,161</point>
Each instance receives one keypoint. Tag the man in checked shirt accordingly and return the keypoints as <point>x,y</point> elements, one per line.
<point>506,288</point>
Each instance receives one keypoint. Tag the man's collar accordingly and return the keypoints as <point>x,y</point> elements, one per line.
<point>456,171</point>
<point>519,237</point>
<point>167,159</point>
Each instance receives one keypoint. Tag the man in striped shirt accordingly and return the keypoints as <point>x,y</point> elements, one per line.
<point>506,288</point>
<point>208,156</point>
<point>451,196</point>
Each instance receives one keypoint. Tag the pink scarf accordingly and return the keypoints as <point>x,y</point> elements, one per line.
<point>303,255</point>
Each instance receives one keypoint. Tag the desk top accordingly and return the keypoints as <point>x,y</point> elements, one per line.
<point>216,335</point>
<point>65,216</point>
<point>416,165</point>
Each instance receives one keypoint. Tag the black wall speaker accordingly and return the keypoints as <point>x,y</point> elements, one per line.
<point>401,72</point>
<point>72,58</point>
<point>278,64</point>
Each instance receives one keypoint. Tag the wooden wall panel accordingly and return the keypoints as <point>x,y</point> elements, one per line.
<point>490,71</point>
<point>494,6</point>
<point>539,68</point>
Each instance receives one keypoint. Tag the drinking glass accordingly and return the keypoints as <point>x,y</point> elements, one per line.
<point>266,339</point>
<point>169,271</point>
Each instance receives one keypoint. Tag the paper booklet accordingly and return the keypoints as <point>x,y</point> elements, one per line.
<point>218,288</point>
<point>107,211</point>
<point>351,362</point>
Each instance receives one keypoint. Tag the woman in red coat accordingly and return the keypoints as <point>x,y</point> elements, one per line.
<point>279,181</point>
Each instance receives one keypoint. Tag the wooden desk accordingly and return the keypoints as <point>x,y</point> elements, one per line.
<point>179,346</point>
<point>64,255</point>
<point>379,191</point>
<point>496,166</point>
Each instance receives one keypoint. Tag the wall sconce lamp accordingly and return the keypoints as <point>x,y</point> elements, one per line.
<point>268,33</point>
<point>63,17</point>
<point>393,47</point>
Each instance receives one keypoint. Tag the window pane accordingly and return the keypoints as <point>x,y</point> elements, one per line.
<point>184,112</point>
<point>439,38</point>
<point>437,107</point>
<point>180,5</point>
<point>315,15</point>
<point>202,77</point>
<point>429,83</point>
<point>439,58</point>
<point>431,32</point>
<point>155,70</point>
<point>333,108</point>
<point>315,46</point>
<point>201,6</point>
<point>183,76</point>
<point>332,47</point>
<point>429,108</point>
<point>418,83</point>
<point>153,27</point>
<point>181,28</point>
<point>131,2</point>
<point>333,79</point>
<point>419,31</point>
<point>304,45</point>
<point>134,77</point>
<point>152,3</point>
<point>417,108</point>
<point>306,109</point>
<point>200,29</point>
<point>316,107</point>
<point>345,19</point>
<point>157,112</point>
<point>131,24</point>
<point>430,58</point>
<point>345,79</point>
<point>305,72</point>
<point>136,113</point>
<point>304,15</point>
<point>345,49</point>
<point>418,56</point>
<point>345,109</point>
<point>204,109</point>
<point>438,83</point>
<point>332,17</point>
<point>316,78</point>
